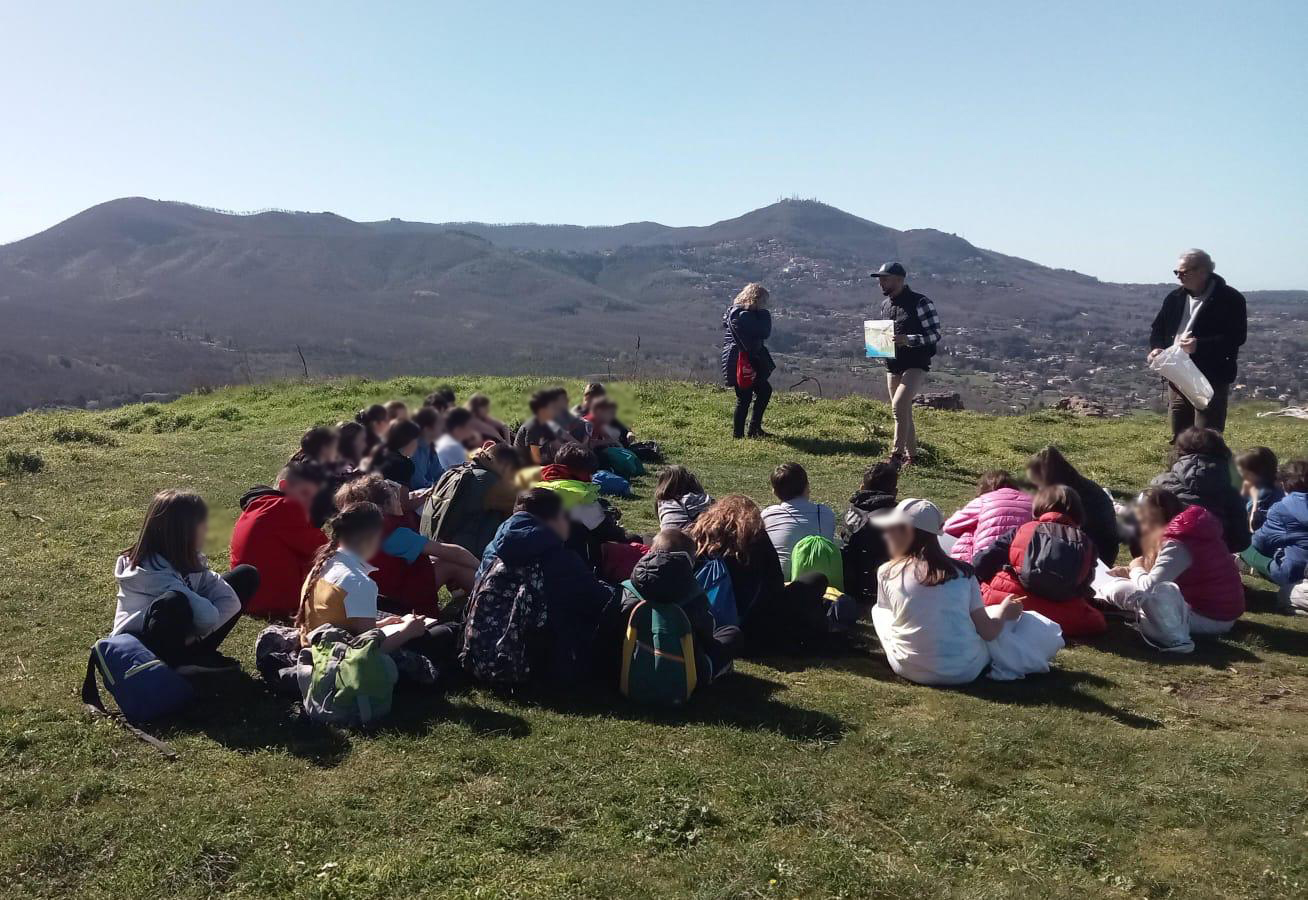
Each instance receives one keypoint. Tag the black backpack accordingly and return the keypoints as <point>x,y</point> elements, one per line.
<point>444,506</point>
<point>1058,561</point>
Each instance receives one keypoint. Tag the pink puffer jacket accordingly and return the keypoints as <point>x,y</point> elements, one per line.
<point>985,519</point>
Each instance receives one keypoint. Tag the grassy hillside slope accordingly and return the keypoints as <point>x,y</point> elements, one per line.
<point>1120,774</point>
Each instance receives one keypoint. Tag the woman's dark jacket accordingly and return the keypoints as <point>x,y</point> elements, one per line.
<point>747,330</point>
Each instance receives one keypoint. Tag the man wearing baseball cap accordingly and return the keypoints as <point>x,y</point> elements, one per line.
<point>917,332</point>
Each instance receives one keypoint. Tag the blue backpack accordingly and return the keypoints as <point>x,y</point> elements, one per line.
<point>611,483</point>
<point>142,685</point>
<point>715,579</point>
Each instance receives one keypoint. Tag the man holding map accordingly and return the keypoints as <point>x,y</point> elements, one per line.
<point>916,329</point>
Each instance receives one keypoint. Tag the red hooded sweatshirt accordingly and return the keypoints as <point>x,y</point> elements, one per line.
<point>274,535</point>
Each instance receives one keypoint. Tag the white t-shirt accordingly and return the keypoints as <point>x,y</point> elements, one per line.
<point>450,452</point>
<point>352,576</point>
<point>790,522</point>
<point>927,632</point>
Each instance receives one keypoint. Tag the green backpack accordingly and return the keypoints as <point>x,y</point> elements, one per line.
<point>658,654</point>
<point>817,554</point>
<point>444,506</point>
<point>346,680</point>
<point>621,461</point>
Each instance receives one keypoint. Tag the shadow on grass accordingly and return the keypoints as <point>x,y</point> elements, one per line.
<point>1277,640</point>
<point>415,709</point>
<point>239,713</point>
<point>1061,688</point>
<point>820,446</point>
<point>740,700</point>
<point>1213,651</point>
<point>1260,598</point>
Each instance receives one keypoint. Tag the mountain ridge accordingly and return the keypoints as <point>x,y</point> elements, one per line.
<point>136,295</point>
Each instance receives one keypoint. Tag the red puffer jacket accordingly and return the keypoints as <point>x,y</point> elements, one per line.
<point>997,568</point>
<point>1211,584</point>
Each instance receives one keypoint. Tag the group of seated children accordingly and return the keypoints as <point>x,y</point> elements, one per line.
<point>544,577</point>
<point>592,423</point>
<point>1051,553</point>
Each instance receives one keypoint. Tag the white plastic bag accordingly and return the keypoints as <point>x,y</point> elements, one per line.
<point>1177,367</point>
<point>879,338</point>
<point>1024,647</point>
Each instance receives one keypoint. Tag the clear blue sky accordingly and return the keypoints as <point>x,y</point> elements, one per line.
<point>1102,137</point>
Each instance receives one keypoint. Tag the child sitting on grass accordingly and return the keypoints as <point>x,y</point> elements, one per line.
<point>929,616</point>
<point>319,445</point>
<point>487,426</point>
<point>795,516</point>
<point>862,545</point>
<point>351,445</point>
<point>602,418</point>
<point>1258,476</point>
<point>374,420</point>
<point>666,574</point>
<point>1049,563</point>
<point>451,447</point>
<point>1283,537</point>
<point>167,594</point>
<point>679,498</point>
<point>409,569</point>
<point>340,594</point>
<point>1185,547</point>
<point>427,468</point>
<point>538,437</point>
<point>998,508</point>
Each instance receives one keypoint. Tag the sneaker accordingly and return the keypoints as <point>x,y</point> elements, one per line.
<point>760,433</point>
<point>208,664</point>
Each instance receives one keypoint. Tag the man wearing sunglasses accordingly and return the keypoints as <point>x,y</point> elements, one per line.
<point>1207,318</point>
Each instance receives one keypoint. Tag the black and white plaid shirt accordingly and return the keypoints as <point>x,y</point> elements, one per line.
<point>927,315</point>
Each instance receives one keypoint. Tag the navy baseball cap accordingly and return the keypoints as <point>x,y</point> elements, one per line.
<point>890,268</point>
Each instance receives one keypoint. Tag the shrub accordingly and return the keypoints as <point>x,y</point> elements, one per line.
<point>172,421</point>
<point>76,434</point>
<point>23,462</point>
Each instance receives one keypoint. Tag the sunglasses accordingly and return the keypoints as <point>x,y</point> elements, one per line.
<point>1181,272</point>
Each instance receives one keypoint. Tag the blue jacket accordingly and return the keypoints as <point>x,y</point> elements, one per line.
<point>426,467</point>
<point>574,597</point>
<point>753,327</point>
<point>1268,496</point>
<point>1284,537</point>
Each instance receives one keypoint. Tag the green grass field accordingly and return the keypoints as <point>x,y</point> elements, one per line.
<point>1120,774</point>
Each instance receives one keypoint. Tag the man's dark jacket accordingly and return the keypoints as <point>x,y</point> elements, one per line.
<point>1220,329</point>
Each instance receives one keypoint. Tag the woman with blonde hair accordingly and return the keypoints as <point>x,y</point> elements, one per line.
<point>746,363</point>
<point>772,613</point>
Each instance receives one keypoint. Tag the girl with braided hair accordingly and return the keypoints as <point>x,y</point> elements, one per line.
<point>339,589</point>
